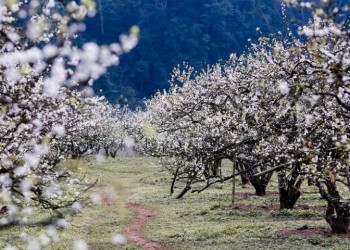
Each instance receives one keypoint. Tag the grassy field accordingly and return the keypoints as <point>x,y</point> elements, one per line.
<point>198,221</point>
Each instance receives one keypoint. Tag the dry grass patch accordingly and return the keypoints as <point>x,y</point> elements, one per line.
<point>198,221</point>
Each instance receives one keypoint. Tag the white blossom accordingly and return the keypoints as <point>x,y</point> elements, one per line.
<point>118,239</point>
<point>80,245</point>
<point>283,88</point>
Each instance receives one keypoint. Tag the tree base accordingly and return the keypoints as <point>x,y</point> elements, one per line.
<point>288,198</point>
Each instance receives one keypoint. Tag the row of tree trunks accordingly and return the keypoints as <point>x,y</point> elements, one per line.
<point>213,169</point>
<point>109,152</point>
<point>289,187</point>
<point>338,210</point>
<point>78,152</point>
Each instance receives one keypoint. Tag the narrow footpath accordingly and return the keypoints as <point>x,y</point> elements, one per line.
<point>135,230</point>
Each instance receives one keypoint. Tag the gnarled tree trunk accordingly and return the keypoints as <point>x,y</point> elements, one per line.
<point>106,151</point>
<point>338,210</point>
<point>289,189</point>
<point>260,182</point>
<point>337,216</point>
<point>113,153</point>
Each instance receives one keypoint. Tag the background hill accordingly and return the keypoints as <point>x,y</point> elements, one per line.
<point>172,31</point>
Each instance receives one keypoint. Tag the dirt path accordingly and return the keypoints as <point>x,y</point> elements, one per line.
<point>135,230</point>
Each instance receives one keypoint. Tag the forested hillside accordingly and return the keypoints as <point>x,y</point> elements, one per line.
<point>198,32</point>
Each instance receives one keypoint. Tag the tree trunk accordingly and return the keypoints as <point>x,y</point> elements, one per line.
<point>288,197</point>
<point>337,216</point>
<point>106,151</point>
<point>217,168</point>
<point>260,188</point>
<point>338,210</point>
<point>213,169</point>
<point>234,166</point>
<point>191,177</point>
<point>75,156</point>
<point>289,190</point>
<point>82,150</point>
<point>244,176</point>
<point>244,180</point>
<point>260,183</point>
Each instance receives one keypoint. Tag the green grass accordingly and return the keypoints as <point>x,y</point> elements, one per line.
<point>198,221</point>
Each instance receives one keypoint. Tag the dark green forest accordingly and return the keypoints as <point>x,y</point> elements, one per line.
<point>199,32</point>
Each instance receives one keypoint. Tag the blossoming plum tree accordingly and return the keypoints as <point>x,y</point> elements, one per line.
<point>322,75</point>
<point>39,67</point>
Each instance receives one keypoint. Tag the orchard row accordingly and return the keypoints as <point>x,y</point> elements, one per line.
<point>282,106</point>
